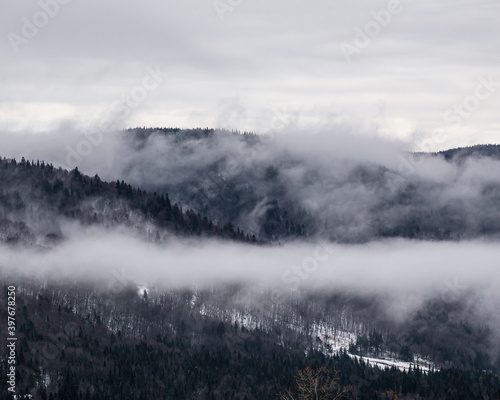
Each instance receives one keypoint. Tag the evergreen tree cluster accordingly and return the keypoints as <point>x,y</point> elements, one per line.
<point>165,349</point>
<point>35,195</point>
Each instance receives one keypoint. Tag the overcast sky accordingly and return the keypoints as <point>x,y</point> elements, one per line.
<point>411,70</point>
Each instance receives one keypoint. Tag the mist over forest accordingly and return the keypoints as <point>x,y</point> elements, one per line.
<point>281,187</point>
<point>379,253</point>
<point>249,200</point>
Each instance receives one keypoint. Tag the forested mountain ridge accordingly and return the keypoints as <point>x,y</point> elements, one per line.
<point>276,193</point>
<point>461,154</point>
<point>76,342</point>
<point>36,197</point>
<point>84,341</point>
<point>248,181</point>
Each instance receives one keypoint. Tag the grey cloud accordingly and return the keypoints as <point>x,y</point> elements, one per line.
<point>283,54</point>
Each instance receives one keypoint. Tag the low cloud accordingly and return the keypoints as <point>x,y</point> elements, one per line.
<point>401,270</point>
<point>339,183</point>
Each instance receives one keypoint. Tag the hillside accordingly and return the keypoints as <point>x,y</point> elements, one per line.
<point>197,313</point>
<point>79,342</point>
<point>462,154</point>
<point>36,199</point>
<point>278,193</point>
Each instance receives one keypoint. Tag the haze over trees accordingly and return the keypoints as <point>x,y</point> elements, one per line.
<point>35,198</point>
<point>240,335</point>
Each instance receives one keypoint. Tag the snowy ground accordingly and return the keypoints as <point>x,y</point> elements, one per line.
<point>333,341</point>
<point>329,339</point>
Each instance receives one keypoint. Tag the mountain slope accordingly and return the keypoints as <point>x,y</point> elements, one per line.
<point>267,190</point>
<point>279,193</point>
<point>461,154</point>
<point>77,342</point>
<point>36,199</point>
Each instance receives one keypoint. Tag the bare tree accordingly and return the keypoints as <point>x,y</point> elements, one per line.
<point>317,384</point>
